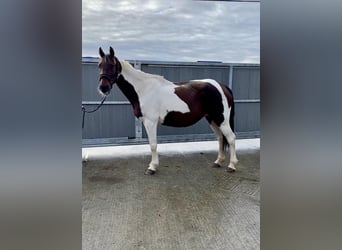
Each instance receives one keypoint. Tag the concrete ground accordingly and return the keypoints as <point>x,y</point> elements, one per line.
<point>187,204</point>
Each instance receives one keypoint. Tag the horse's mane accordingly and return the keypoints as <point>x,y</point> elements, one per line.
<point>129,68</point>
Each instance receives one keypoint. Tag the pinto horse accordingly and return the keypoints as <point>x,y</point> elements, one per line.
<point>157,100</point>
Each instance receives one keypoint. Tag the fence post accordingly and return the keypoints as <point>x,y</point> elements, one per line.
<point>138,123</point>
<point>230,83</point>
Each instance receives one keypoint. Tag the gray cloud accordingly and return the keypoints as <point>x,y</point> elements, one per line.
<point>173,30</point>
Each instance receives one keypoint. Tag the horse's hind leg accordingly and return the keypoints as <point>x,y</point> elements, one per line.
<point>151,130</point>
<point>221,153</point>
<point>229,134</point>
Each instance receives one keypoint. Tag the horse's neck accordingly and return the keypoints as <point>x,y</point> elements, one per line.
<point>140,80</point>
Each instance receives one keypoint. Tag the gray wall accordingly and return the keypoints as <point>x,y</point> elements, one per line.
<point>115,123</point>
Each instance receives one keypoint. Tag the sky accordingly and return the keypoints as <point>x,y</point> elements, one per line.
<point>177,30</point>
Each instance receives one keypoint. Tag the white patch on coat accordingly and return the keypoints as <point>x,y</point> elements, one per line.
<point>156,95</point>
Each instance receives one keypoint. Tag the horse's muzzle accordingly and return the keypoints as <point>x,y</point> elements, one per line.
<point>104,89</point>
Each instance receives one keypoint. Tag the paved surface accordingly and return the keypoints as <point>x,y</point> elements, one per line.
<point>187,204</point>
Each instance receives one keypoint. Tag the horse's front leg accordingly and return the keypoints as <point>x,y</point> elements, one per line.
<point>151,129</point>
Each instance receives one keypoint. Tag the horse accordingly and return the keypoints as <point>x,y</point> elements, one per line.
<point>156,100</point>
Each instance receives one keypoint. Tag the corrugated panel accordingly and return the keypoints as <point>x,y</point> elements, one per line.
<point>184,73</point>
<point>89,82</point>
<point>246,83</point>
<point>109,121</point>
<point>247,117</point>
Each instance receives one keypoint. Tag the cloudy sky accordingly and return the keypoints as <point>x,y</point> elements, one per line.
<point>177,30</point>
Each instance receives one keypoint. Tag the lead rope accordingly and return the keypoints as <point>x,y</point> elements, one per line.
<point>91,111</point>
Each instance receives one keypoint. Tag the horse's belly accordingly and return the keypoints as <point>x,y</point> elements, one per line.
<point>178,119</point>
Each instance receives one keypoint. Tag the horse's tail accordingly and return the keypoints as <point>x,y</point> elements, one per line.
<point>232,112</point>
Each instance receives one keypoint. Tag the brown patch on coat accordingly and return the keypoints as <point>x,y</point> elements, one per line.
<point>202,98</point>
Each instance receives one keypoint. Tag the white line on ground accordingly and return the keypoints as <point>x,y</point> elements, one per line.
<point>110,152</point>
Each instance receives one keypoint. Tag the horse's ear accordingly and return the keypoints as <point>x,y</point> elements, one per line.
<point>102,54</point>
<point>111,51</point>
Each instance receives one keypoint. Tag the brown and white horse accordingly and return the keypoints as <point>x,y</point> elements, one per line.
<point>157,100</point>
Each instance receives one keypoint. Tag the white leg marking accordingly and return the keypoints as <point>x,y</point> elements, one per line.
<point>221,154</point>
<point>229,134</point>
<point>151,129</point>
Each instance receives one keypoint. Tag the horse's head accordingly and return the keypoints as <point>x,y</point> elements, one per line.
<point>110,69</point>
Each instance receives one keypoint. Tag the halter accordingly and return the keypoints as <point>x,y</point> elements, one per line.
<point>112,78</point>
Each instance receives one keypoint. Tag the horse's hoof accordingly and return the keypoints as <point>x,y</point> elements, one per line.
<point>215,165</point>
<point>150,172</point>
<point>230,170</point>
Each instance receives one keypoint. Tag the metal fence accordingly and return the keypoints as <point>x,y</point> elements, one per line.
<point>115,123</point>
